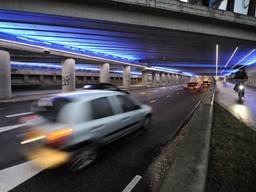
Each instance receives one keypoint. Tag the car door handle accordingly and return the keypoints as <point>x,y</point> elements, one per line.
<point>125,118</point>
<point>98,127</point>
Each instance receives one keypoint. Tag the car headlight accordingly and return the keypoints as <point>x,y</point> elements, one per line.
<point>241,87</point>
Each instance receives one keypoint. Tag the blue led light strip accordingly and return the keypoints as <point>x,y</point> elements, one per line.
<point>82,67</point>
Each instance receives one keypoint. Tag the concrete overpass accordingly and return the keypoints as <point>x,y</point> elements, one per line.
<point>168,35</point>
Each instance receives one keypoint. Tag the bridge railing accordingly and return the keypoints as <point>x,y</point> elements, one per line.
<point>245,7</point>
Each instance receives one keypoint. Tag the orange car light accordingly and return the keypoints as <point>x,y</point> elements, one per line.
<point>59,134</point>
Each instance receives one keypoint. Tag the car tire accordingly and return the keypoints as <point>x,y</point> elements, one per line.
<point>147,123</point>
<point>84,158</point>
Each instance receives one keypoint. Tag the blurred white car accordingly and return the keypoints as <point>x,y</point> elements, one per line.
<point>74,125</point>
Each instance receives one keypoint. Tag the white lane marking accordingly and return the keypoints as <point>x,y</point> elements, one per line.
<point>19,114</point>
<point>155,91</point>
<point>143,93</point>
<point>168,96</point>
<point>14,176</point>
<point>153,101</point>
<point>7,128</point>
<point>132,184</point>
<point>1,109</point>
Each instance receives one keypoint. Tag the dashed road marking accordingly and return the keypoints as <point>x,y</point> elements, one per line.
<point>8,128</point>
<point>153,101</point>
<point>168,96</point>
<point>19,114</point>
<point>14,176</point>
<point>132,184</point>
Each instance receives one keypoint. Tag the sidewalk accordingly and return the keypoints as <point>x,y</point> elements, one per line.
<point>245,111</point>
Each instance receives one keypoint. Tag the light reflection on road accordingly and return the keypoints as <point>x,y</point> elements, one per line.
<point>242,111</point>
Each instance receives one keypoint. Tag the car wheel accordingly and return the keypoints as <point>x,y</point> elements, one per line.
<point>146,123</point>
<point>84,158</point>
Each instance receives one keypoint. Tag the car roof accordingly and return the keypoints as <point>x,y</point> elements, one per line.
<point>82,95</point>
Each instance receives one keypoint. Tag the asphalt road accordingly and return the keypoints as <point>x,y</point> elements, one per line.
<point>118,163</point>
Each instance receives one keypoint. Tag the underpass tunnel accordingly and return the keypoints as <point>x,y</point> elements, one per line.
<point>143,54</point>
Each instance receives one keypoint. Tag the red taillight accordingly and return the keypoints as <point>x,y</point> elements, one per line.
<point>28,118</point>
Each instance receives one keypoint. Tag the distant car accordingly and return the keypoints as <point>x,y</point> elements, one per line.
<point>206,84</point>
<point>193,86</point>
<point>75,125</point>
<point>104,86</point>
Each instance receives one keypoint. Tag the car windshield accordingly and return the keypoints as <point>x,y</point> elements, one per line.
<point>50,112</point>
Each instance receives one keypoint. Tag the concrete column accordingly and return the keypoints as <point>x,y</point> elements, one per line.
<point>168,77</point>
<point>166,81</point>
<point>127,76</point>
<point>104,73</point>
<point>68,75</point>
<point>26,79</point>
<point>41,78</point>
<point>144,77</point>
<point>54,78</point>
<point>5,75</point>
<point>177,77</point>
<point>155,78</point>
<point>163,79</point>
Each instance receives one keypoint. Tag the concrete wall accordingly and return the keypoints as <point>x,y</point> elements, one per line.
<point>47,79</point>
<point>251,76</point>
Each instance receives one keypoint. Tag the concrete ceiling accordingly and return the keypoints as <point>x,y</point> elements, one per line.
<point>147,46</point>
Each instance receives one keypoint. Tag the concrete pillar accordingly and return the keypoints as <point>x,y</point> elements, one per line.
<point>177,79</point>
<point>155,78</point>
<point>144,77</point>
<point>54,77</point>
<point>26,79</point>
<point>163,79</point>
<point>68,75</point>
<point>41,78</point>
<point>5,75</point>
<point>168,77</point>
<point>127,76</point>
<point>104,73</point>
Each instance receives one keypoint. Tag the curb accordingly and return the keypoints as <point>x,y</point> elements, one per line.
<point>188,171</point>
